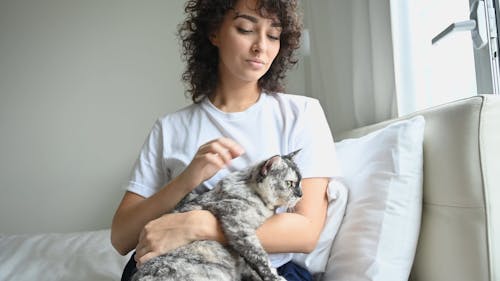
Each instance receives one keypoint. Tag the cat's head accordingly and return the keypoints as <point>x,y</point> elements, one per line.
<point>278,181</point>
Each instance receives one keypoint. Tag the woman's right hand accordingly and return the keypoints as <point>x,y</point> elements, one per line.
<point>136,211</point>
<point>171,231</point>
<point>209,159</point>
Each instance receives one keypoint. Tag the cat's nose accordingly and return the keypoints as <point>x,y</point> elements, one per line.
<point>297,191</point>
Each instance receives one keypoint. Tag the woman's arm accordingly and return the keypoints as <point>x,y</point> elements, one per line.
<point>298,232</point>
<point>135,211</point>
<point>287,232</point>
<point>140,223</point>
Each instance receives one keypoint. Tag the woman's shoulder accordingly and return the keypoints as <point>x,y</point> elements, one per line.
<point>182,113</point>
<point>179,119</point>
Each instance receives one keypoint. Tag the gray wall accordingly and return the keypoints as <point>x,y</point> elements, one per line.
<point>81,83</point>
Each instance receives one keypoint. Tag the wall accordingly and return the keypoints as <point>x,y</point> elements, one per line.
<point>81,83</point>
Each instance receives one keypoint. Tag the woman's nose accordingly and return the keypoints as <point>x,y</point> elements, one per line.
<point>259,45</point>
<point>255,48</point>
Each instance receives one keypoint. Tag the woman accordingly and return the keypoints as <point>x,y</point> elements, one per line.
<point>237,53</point>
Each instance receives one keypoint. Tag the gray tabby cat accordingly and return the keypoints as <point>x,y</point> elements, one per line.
<point>242,201</point>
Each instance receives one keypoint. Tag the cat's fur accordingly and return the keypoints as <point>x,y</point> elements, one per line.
<point>241,202</point>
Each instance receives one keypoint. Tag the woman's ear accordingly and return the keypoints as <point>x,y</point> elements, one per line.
<point>213,39</point>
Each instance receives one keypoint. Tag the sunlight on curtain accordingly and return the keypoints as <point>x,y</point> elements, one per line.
<point>350,66</point>
<point>426,74</point>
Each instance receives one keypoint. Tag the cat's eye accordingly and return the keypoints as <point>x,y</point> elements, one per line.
<point>290,184</point>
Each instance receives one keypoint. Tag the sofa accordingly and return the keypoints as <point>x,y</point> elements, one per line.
<point>460,228</point>
<point>459,237</point>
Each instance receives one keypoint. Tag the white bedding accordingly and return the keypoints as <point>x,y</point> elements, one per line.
<point>81,256</point>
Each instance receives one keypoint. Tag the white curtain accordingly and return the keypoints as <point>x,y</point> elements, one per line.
<point>350,68</point>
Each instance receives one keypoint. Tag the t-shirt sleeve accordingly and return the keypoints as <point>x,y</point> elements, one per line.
<point>148,174</point>
<point>317,157</point>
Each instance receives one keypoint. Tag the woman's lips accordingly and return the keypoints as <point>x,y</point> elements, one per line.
<point>256,63</point>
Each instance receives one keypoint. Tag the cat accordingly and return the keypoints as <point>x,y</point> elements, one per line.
<point>242,201</point>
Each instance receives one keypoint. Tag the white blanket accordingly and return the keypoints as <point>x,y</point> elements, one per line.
<point>85,256</point>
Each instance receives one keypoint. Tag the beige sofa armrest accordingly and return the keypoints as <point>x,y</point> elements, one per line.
<point>460,232</point>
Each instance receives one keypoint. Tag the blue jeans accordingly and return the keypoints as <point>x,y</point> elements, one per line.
<point>290,271</point>
<point>294,272</point>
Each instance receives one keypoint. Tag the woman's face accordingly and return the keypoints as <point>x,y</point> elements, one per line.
<point>248,43</point>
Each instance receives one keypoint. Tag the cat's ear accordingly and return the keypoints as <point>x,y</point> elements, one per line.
<point>267,165</point>
<point>292,155</point>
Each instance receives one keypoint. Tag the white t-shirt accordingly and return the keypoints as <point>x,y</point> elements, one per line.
<point>276,124</point>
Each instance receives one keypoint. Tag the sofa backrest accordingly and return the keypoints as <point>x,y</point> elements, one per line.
<point>460,230</point>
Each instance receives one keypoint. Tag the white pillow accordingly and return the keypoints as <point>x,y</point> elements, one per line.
<point>316,261</point>
<point>80,256</point>
<point>378,236</point>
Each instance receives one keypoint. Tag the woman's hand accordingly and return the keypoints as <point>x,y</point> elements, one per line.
<point>210,158</point>
<point>171,231</point>
<point>162,235</point>
<point>139,222</point>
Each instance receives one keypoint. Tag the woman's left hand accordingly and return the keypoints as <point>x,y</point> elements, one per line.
<point>174,230</point>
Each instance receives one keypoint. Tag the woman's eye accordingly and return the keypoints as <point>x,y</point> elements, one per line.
<point>243,30</point>
<point>274,38</point>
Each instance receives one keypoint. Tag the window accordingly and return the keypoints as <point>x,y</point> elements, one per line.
<point>429,74</point>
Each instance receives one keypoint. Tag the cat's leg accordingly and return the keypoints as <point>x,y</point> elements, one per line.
<point>247,273</point>
<point>243,239</point>
<point>250,249</point>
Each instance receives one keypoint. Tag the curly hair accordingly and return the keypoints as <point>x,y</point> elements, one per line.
<point>202,58</point>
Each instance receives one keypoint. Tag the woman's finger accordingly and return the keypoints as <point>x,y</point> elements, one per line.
<point>234,148</point>
<point>143,259</point>
<point>139,252</point>
<point>221,151</point>
<point>223,146</point>
<point>215,159</point>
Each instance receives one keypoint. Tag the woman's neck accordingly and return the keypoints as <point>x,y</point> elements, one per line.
<point>235,99</point>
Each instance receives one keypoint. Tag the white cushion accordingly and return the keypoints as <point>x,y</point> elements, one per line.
<point>80,256</point>
<point>378,236</point>
<point>316,261</point>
